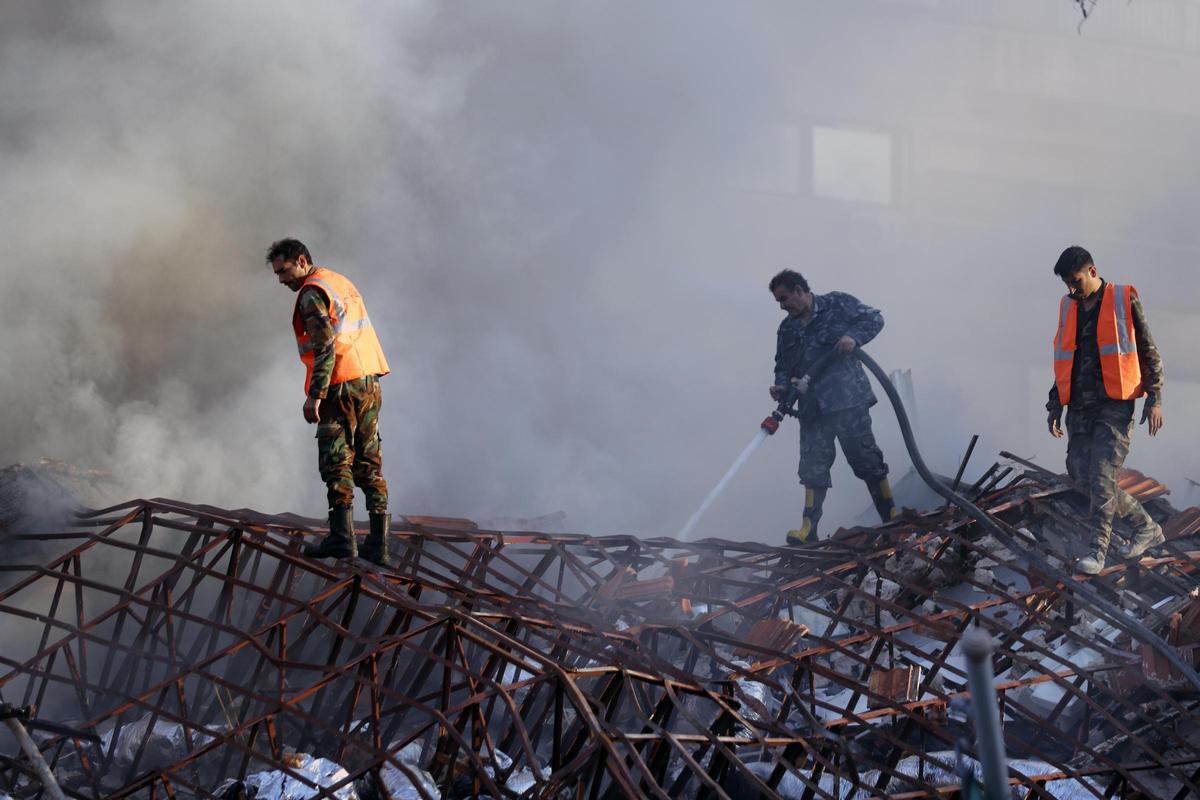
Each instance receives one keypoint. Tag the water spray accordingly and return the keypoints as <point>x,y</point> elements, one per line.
<point>755,443</point>
<point>789,400</point>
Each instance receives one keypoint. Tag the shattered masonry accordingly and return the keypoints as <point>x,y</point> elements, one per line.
<point>212,658</point>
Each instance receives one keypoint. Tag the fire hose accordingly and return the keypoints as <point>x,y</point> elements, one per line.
<point>1101,607</point>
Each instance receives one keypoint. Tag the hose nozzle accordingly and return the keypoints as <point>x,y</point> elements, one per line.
<point>771,423</point>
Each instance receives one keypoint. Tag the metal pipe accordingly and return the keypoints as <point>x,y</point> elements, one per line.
<point>35,756</point>
<point>977,646</point>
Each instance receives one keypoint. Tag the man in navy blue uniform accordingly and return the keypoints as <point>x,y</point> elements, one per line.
<point>837,404</point>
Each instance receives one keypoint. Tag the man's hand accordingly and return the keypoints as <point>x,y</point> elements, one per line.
<point>777,392</point>
<point>312,409</point>
<point>845,346</point>
<point>1152,416</point>
<point>1054,423</point>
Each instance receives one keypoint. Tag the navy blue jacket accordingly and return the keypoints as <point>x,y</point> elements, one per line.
<point>844,382</point>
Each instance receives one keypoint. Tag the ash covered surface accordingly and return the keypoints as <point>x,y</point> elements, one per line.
<point>213,659</point>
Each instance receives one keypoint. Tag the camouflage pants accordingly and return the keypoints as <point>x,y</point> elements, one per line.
<point>349,449</point>
<point>852,428</point>
<point>1097,444</point>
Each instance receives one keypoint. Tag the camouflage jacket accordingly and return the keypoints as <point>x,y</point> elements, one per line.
<point>798,345</point>
<point>314,315</point>
<point>1087,380</point>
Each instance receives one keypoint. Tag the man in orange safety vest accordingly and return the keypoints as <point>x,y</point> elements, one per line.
<point>1104,359</point>
<point>343,362</point>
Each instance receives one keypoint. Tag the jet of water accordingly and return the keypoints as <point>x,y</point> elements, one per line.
<point>758,439</point>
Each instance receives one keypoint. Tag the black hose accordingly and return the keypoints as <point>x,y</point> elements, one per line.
<point>1101,607</point>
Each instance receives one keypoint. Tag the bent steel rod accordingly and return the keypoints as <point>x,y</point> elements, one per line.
<point>1101,607</point>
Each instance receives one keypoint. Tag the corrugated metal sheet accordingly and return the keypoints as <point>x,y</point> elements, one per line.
<point>1141,486</point>
<point>1182,523</point>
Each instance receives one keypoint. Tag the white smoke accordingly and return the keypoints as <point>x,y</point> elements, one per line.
<point>550,212</point>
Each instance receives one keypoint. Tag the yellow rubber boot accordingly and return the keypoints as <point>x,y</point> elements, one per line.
<point>800,535</point>
<point>881,494</point>
<point>814,499</point>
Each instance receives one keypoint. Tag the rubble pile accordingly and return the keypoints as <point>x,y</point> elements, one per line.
<point>212,658</point>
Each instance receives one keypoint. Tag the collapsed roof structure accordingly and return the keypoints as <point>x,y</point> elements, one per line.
<point>212,659</point>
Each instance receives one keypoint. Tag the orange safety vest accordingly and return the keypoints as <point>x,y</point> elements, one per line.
<point>357,352</point>
<point>1115,337</point>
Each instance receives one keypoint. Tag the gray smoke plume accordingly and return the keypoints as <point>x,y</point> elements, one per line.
<point>563,217</point>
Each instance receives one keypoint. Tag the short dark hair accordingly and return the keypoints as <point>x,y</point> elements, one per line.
<point>789,279</point>
<point>288,250</point>
<point>1072,260</point>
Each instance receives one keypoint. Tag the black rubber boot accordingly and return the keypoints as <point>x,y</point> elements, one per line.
<point>375,548</point>
<point>814,500</point>
<point>881,495</point>
<point>340,541</point>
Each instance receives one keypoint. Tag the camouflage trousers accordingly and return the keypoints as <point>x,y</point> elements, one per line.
<point>852,428</point>
<point>1097,444</point>
<point>350,452</point>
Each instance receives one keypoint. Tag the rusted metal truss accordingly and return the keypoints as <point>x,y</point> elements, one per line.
<point>207,652</point>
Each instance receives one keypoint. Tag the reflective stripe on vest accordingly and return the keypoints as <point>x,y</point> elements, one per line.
<point>339,308</point>
<point>357,352</point>
<point>306,347</point>
<point>1122,304</point>
<point>1115,340</point>
<point>339,311</point>
<point>1064,350</point>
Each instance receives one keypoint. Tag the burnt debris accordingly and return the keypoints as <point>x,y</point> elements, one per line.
<point>212,659</point>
